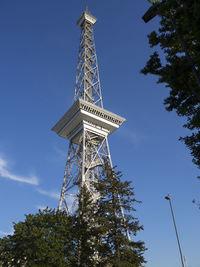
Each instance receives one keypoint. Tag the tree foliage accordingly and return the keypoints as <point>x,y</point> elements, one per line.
<point>115,218</point>
<point>96,235</point>
<point>43,239</point>
<point>179,27</point>
<point>87,230</point>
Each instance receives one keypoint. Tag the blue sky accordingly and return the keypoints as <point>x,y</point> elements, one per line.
<point>39,42</point>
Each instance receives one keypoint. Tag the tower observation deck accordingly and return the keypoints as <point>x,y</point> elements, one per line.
<point>86,123</point>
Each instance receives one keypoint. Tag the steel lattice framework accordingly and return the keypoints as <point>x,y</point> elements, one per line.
<point>87,78</point>
<point>86,124</point>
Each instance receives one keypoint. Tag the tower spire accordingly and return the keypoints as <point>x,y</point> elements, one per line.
<point>87,86</point>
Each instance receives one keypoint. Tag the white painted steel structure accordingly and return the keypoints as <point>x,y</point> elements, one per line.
<point>86,124</point>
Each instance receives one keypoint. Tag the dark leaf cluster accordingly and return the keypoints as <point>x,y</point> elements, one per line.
<point>179,38</point>
<point>43,239</point>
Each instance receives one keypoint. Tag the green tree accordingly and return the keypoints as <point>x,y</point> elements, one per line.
<point>95,236</point>
<point>86,229</point>
<point>115,220</point>
<point>179,27</point>
<point>43,239</point>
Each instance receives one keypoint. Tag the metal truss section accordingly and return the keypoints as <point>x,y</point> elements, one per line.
<point>84,163</point>
<point>87,85</point>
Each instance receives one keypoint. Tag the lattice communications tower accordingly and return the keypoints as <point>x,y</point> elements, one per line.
<point>86,124</point>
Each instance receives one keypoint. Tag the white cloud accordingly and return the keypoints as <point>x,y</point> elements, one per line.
<point>52,194</point>
<point>5,173</point>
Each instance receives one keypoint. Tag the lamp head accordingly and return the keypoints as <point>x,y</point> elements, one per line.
<point>167,197</point>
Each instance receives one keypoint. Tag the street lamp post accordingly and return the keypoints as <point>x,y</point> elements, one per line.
<point>179,245</point>
<point>153,12</point>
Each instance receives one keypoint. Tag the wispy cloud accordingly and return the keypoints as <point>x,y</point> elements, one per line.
<point>60,154</point>
<point>71,198</point>
<point>5,173</point>
<point>133,136</point>
<point>2,233</point>
<point>52,193</point>
<point>41,207</point>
